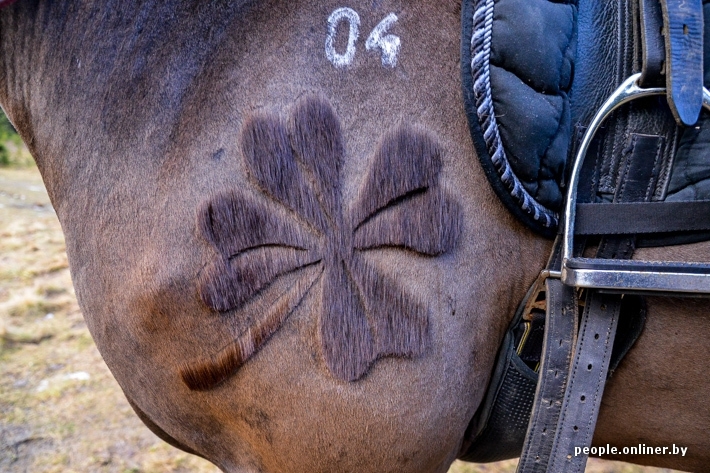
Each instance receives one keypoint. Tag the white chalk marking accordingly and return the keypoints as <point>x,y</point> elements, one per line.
<point>342,60</point>
<point>388,44</point>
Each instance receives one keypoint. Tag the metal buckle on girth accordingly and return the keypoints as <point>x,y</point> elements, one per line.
<point>624,275</point>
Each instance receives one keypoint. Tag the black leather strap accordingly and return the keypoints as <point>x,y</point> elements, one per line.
<point>499,428</point>
<point>642,218</point>
<point>654,51</point>
<point>626,173</point>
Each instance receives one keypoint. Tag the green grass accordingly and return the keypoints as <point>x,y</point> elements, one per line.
<point>13,152</point>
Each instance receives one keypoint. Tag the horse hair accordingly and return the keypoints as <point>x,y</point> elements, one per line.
<point>364,314</point>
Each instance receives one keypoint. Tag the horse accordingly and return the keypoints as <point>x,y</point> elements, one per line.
<point>281,240</point>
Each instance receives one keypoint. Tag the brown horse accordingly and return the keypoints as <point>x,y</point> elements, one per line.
<point>280,238</point>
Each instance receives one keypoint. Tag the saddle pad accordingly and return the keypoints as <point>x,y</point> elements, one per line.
<point>517,66</point>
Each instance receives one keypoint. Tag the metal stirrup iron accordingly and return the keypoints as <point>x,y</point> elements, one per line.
<point>615,274</point>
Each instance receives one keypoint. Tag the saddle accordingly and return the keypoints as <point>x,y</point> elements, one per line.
<point>588,121</point>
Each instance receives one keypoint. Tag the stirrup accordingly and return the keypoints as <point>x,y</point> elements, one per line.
<point>624,275</point>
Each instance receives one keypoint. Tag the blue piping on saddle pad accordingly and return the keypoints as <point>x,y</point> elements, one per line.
<point>517,68</point>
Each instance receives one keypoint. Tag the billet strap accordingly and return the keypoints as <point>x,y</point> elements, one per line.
<point>570,387</point>
<point>500,426</point>
<point>585,376</point>
<point>654,51</point>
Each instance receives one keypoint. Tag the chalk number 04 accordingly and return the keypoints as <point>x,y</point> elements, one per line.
<point>387,44</point>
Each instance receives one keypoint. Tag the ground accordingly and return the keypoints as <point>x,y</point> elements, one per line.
<point>60,408</point>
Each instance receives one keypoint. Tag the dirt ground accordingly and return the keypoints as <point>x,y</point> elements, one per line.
<point>60,408</point>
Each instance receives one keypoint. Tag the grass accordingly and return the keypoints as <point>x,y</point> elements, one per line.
<point>13,152</point>
<point>60,408</point>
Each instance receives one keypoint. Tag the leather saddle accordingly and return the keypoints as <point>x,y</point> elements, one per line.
<point>587,118</point>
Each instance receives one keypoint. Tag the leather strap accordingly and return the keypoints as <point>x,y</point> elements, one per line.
<point>559,424</point>
<point>642,217</point>
<point>683,26</point>
<point>654,51</point>
<point>637,180</point>
<point>560,332</point>
<point>585,387</point>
